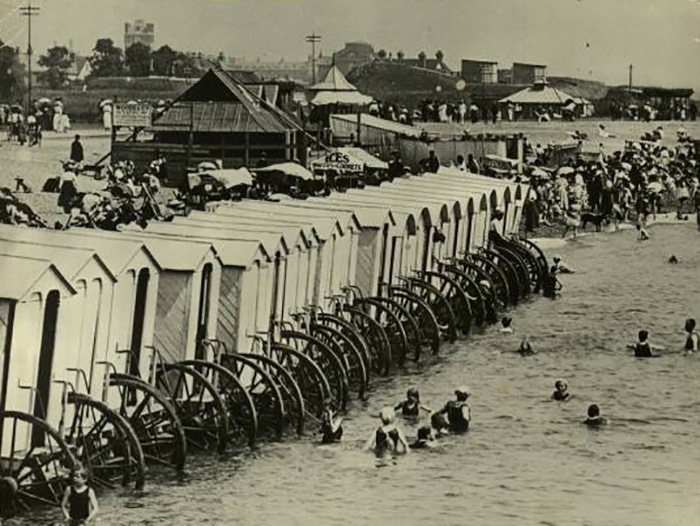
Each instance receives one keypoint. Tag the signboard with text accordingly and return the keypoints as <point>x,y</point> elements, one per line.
<point>338,161</point>
<point>132,115</point>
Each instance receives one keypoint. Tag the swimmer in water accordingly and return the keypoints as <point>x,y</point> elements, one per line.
<point>331,424</point>
<point>642,235</point>
<point>643,348</point>
<point>594,419</point>
<point>79,502</point>
<point>561,391</point>
<point>525,348</point>
<point>458,411</point>
<point>439,424</point>
<point>691,341</point>
<point>506,325</point>
<point>561,268</point>
<point>551,284</point>
<point>673,260</point>
<point>411,406</point>
<point>387,437</point>
<point>425,439</point>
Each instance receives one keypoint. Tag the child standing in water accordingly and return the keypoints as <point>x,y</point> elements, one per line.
<point>594,419</point>
<point>411,406</point>
<point>551,284</point>
<point>642,235</point>
<point>425,438</point>
<point>331,425</point>
<point>561,391</point>
<point>506,325</point>
<point>458,412</point>
<point>691,341</point>
<point>387,437</point>
<point>643,348</point>
<point>79,503</point>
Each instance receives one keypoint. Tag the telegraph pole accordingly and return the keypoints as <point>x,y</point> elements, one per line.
<point>630,84</point>
<point>313,39</point>
<point>29,12</point>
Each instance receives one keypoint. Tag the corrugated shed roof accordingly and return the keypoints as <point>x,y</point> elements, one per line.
<point>220,103</point>
<point>20,275</point>
<point>218,117</point>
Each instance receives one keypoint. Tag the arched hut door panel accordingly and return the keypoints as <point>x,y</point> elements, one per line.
<point>46,356</point>
<point>365,265</point>
<point>138,319</point>
<point>172,316</point>
<point>7,323</point>
<point>230,315</point>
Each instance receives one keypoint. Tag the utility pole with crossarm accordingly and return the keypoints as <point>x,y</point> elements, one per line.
<point>313,39</point>
<point>29,11</point>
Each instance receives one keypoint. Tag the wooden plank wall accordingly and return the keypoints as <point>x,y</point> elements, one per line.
<point>172,315</point>
<point>229,307</point>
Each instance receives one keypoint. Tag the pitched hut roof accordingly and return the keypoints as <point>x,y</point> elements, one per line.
<point>219,103</point>
<point>22,274</point>
<point>539,94</point>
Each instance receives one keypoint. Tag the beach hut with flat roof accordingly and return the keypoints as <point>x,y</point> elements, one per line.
<point>135,292</point>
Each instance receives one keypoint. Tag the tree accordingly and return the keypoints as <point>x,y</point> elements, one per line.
<point>439,56</point>
<point>382,54</point>
<point>422,59</point>
<point>164,61</point>
<point>400,55</point>
<point>12,74</point>
<point>107,60</point>
<point>138,60</point>
<point>57,61</point>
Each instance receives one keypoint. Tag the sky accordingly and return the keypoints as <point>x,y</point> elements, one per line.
<point>590,39</point>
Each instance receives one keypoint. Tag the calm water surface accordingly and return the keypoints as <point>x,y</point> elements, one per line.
<point>527,460</point>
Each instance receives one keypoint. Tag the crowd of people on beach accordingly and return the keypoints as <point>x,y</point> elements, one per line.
<point>645,179</point>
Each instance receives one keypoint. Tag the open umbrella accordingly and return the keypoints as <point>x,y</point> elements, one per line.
<point>565,170</point>
<point>539,172</point>
<point>290,169</point>
<point>106,102</point>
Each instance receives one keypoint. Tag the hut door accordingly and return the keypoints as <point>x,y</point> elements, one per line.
<point>455,234</point>
<point>469,229</point>
<point>46,352</point>
<point>394,240</point>
<point>426,248</point>
<point>382,265</point>
<point>7,322</point>
<point>138,320</point>
<point>204,301</point>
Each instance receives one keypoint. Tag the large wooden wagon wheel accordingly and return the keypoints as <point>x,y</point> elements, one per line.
<point>515,268</point>
<point>496,278</point>
<point>424,315</point>
<point>439,305</point>
<point>537,253</point>
<point>508,270</point>
<point>526,259</point>
<point>105,443</point>
<point>486,286</point>
<point>240,409</point>
<point>404,330</point>
<point>200,407</point>
<point>308,375</point>
<point>294,402</point>
<point>352,357</point>
<point>153,419</point>
<point>456,296</point>
<point>328,360</point>
<point>263,389</point>
<point>351,332</point>
<point>35,459</point>
<point>378,343</point>
<point>476,296</point>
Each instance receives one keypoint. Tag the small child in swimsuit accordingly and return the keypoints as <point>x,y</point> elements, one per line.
<point>642,235</point>
<point>673,259</point>
<point>561,391</point>
<point>411,406</point>
<point>525,348</point>
<point>594,419</point>
<point>458,411</point>
<point>691,341</point>
<point>387,437</point>
<point>506,325</point>
<point>331,425</point>
<point>425,438</point>
<point>551,284</point>
<point>79,503</point>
